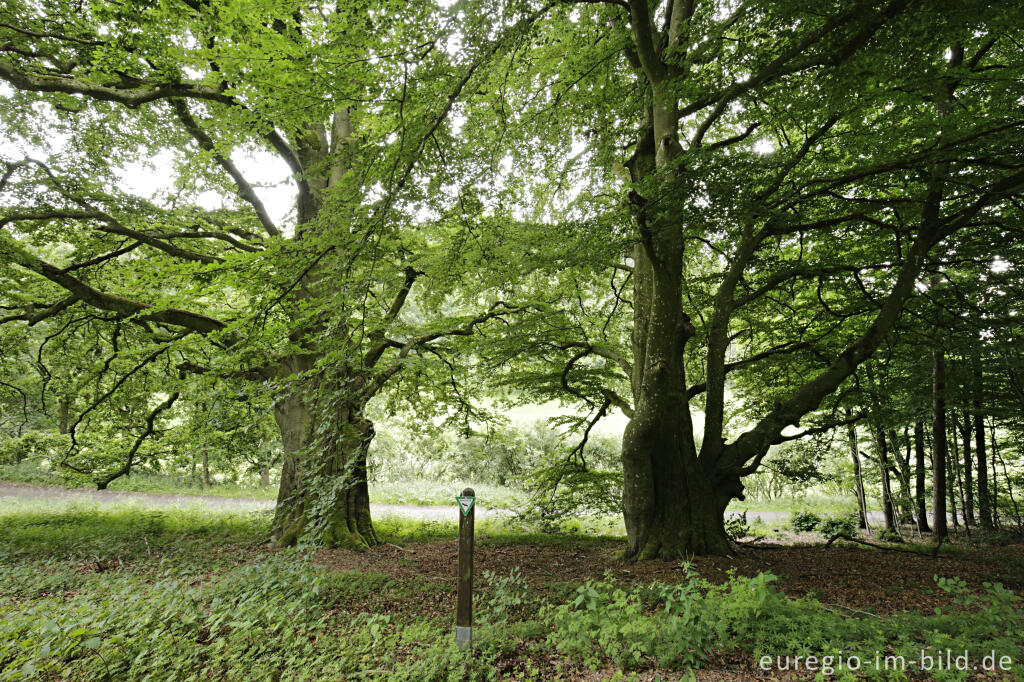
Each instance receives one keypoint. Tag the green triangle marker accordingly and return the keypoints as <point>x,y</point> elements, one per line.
<point>465,504</point>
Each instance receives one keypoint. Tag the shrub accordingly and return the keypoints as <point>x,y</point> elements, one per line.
<point>804,521</point>
<point>844,524</point>
<point>736,526</point>
<point>886,535</point>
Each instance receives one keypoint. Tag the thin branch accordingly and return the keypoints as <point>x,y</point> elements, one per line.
<point>245,189</point>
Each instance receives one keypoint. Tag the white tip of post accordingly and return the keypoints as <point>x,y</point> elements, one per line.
<point>463,637</point>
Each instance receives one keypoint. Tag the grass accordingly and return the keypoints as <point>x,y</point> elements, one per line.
<point>415,491</point>
<point>822,504</point>
<point>412,492</point>
<point>128,592</point>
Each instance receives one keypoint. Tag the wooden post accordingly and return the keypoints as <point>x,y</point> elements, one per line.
<point>464,610</point>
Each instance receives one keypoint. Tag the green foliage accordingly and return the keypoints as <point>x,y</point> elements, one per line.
<point>122,533</point>
<point>503,597</point>
<point>804,521</point>
<point>569,490</point>
<point>32,445</point>
<point>736,526</point>
<point>886,535</point>
<point>677,626</point>
<point>610,622</point>
<point>429,491</point>
<point>180,595</point>
<point>834,525</point>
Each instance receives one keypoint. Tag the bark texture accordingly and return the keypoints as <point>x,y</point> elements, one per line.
<point>323,485</point>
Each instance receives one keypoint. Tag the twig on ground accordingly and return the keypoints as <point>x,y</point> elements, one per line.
<point>932,553</point>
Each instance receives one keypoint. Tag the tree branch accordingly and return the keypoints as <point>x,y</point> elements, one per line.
<point>132,97</point>
<point>124,307</point>
<point>245,189</point>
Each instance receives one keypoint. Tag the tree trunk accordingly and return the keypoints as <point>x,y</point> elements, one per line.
<point>1009,488</point>
<point>672,508</point>
<point>264,476</point>
<point>951,469</point>
<point>956,487</point>
<point>888,509</point>
<point>206,469</point>
<point>323,485</point>
<point>968,469</point>
<point>862,507</point>
<point>939,448</point>
<point>902,471</point>
<point>63,412</point>
<point>919,483</point>
<point>994,497</point>
<point>984,503</point>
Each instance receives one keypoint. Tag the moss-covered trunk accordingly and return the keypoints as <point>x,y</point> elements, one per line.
<point>671,507</point>
<point>323,478</point>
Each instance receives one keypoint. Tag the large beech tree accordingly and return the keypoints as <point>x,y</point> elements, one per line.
<point>792,169</point>
<point>319,310</point>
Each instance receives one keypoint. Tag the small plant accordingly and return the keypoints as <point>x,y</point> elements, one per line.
<point>845,524</point>
<point>504,596</point>
<point>886,535</point>
<point>804,521</point>
<point>736,526</point>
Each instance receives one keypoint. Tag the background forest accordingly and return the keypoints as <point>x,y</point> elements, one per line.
<point>667,278</point>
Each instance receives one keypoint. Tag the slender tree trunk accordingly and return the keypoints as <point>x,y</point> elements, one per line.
<point>264,476</point>
<point>984,502</point>
<point>956,479</point>
<point>939,449</point>
<point>206,469</point>
<point>905,504</point>
<point>1009,492</point>
<point>888,509</point>
<point>968,466</point>
<point>919,482</point>
<point>323,486</point>
<point>994,497</point>
<point>951,468</point>
<point>862,507</point>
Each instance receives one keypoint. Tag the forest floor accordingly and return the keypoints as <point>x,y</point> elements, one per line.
<point>124,591</point>
<point>845,576</point>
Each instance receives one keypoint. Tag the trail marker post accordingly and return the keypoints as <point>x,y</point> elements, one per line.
<point>464,610</point>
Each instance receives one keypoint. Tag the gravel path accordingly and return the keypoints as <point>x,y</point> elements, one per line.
<point>37,493</point>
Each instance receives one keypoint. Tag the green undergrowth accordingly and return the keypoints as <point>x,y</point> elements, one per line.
<point>134,594</point>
